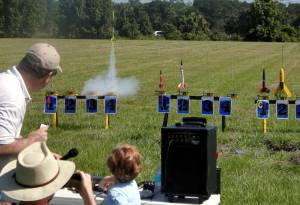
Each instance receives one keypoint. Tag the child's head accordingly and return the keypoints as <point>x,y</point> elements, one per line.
<point>125,162</point>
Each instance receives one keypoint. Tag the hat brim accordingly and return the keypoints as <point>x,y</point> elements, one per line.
<point>10,188</point>
<point>59,68</point>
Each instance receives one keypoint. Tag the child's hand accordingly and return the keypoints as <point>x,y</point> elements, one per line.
<point>106,182</point>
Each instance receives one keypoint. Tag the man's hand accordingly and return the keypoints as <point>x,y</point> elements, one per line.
<point>56,156</point>
<point>86,190</point>
<point>40,135</point>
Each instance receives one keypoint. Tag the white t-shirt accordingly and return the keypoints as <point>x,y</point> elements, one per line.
<point>14,97</point>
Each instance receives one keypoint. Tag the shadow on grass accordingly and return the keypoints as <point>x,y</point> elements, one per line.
<point>295,158</point>
<point>287,146</point>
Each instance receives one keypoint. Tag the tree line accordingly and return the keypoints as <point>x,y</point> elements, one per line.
<point>262,20</point>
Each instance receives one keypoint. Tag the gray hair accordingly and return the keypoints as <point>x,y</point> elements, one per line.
<point>31,65</point>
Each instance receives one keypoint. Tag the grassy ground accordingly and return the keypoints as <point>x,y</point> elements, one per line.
<point>251,173</point>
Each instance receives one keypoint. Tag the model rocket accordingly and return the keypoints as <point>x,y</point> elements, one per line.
<point>161,83</point>
<point>282,87</point>
<point>264,88</point>
<point>113,38</point>
<point>182,86</point>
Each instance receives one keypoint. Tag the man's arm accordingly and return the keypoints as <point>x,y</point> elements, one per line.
<point>20,143</point>
<point>85,189</point>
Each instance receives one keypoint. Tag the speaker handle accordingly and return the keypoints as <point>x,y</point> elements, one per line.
<point>193,121</point>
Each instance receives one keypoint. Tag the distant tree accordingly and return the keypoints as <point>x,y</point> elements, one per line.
<point>85,18</point>
<point>127,24</point>
<point>192,25</point>
<point>1,18</point>
<point>50,27</point>
<point>171,32</point>
<point>33,16</point>
<point>143,20</point>
<point>26,18</point>
<point>11,18</point>
<point>239,25</point>
<point>218,12</point>
<point>71,15</point>
<point>265,24</point>
<point>133,20</point>
<point>161,12</point>
<point>293,11</point>
<point>97,19</point>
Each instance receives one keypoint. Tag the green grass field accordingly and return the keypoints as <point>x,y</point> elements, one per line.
<point>251,173</point>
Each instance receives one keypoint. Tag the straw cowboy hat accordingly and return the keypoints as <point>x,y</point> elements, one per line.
<point>35,175</point>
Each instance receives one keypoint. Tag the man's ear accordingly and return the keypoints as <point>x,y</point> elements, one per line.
<point>48,77</point>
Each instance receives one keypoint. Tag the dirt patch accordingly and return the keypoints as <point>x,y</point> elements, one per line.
<point>295,158</point>
<point>284,146</point>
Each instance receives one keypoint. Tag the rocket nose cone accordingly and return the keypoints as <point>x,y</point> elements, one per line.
<point>281,75</point>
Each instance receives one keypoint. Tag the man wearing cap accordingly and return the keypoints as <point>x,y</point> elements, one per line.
<point>32,73</point>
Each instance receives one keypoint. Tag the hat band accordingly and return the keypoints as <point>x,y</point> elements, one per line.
<point>35,186</point>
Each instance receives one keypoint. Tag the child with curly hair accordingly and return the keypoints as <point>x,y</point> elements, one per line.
<point>125,165</point>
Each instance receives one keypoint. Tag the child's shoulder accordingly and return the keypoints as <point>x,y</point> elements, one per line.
<point>119,187</point>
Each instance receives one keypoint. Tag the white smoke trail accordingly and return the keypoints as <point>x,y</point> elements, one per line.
<point>110,83</point>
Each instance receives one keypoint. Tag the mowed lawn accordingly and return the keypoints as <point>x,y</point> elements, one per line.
<point>251,173</point>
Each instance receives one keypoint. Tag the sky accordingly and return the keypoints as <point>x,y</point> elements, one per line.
<point>189,1</point>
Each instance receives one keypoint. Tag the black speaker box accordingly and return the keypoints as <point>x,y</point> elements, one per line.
<point>188,160</point>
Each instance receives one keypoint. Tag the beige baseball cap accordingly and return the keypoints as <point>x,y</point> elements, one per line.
<point>47,56</point>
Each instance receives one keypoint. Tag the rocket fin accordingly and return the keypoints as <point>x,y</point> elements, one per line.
<point>287,91</point>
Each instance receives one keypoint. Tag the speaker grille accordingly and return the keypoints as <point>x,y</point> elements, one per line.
<point>188,159</point>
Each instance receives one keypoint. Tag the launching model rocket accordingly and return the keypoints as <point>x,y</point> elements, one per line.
<point>182,85</point>
<point>113,38</point>
<point>264,88</point>
<point>282,87</point>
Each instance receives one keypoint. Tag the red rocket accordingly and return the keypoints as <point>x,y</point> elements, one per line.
<point>182,85</point>
<point>264,88</point>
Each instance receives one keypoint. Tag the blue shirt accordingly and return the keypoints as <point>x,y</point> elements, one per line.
<point>123,194</point>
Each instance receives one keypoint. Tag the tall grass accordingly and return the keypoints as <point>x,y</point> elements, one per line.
<point>251,174</point>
